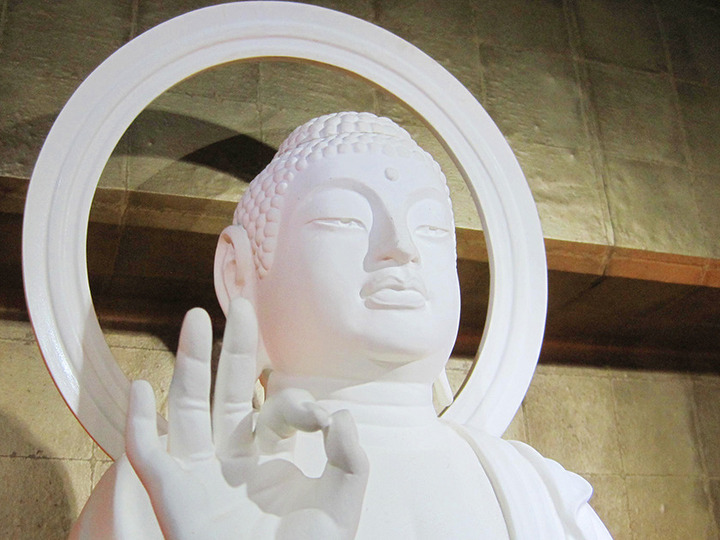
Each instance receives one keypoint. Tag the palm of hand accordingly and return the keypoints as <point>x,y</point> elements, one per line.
<point>212,479</point>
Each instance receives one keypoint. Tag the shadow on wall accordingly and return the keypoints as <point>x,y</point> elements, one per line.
<point>154,133</point>
<point>192,140</point>
<point>36,495</point>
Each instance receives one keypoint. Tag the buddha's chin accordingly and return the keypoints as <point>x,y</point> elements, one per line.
<point>373,356</point>
<point>406,345</point>
<point>362,343</point>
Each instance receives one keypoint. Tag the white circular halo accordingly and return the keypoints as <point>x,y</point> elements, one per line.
<point>91,123</point>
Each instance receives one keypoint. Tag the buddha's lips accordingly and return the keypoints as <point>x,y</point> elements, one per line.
<point>394,292</point>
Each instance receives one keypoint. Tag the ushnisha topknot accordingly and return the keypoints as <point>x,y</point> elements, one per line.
<point>344,123</point>
<point>259,209</point>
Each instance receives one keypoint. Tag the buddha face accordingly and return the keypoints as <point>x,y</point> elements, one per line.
<point>363,282</point>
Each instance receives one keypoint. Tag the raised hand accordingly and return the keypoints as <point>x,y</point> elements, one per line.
<point>211,479</point>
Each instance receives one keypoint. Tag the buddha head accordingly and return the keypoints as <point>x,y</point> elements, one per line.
<point>345,245</point>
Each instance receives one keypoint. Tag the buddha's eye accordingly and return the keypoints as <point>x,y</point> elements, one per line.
<point>340,223</point>
<point>432,231</point>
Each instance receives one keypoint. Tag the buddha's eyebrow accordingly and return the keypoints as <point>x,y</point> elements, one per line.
<point>429,193</point>
<point>351,184</point>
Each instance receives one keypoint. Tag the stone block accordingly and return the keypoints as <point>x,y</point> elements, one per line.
<point>16,331</point>
<point>35,421</point>
<point>653,207</point>
<point>98,469</point>
<point>610,502</point>
<point>522,25</point>
<point>109,205</point>
<point>13,191</point>
<point>715,500</point>
<point>166,253</point>
<point>707,194</point>
<point>363,9</point>
<point>291,93</point>
<point>637,114</point>
<point>29,107</point>
<point>54,39</point>
<point>388,105</point>
<point>154,366</point>
<point>114,175</point>
<point>99,456</point>
<point>701,117</point>
<point>550,370</point>
<point>102,245</point>
<point>236,81</point>
<point>195,146</point>
<point>707,399</point>
<point>655,422</point>
<point>623,32</point>
<point>534,97</point>
<point>669,507</point>
<point>441,30</point>
<point>517,430</point>
<point>475,292</point>
<point>693,40</point>
<point>568,192</point>
<point>181,213</point>
<point>572,419</point>
<point>153,12</point>
<point>41,498</point>
<point>457,370</point>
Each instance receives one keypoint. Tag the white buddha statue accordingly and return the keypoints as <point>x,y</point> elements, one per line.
<point>339,281</point>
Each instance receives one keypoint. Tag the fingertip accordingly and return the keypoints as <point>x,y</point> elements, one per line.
<point>141,395</point>
<point>196,334</point>
<point>342,444</point>
<point>199,314</point>
<point>319,415</point>
<point>141,427</point>
<point>341,427</point>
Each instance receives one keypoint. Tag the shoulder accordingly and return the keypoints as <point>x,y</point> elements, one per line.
<point>570,492</point>
<point>539,497</point>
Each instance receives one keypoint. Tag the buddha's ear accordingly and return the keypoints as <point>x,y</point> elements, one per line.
<point>234,267</point>
<point>442,390</point>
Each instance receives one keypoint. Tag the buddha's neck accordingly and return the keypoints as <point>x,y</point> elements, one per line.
<point>377,403</point>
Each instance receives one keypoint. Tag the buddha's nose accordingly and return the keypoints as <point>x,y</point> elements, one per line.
<point>393,245</point>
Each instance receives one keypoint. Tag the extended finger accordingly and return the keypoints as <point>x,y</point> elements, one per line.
<point>142,443</point>
<point>237,368</point>
<point>189,428</point>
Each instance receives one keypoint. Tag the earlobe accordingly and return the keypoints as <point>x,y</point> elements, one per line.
<point>234,270</point>
<point>442,390</point>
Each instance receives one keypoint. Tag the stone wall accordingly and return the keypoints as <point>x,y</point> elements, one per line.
<point>612,109</point>
<point>647,441</point>
<point>610,106</point>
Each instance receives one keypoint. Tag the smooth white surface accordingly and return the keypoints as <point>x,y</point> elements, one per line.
<point>94,119</point>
